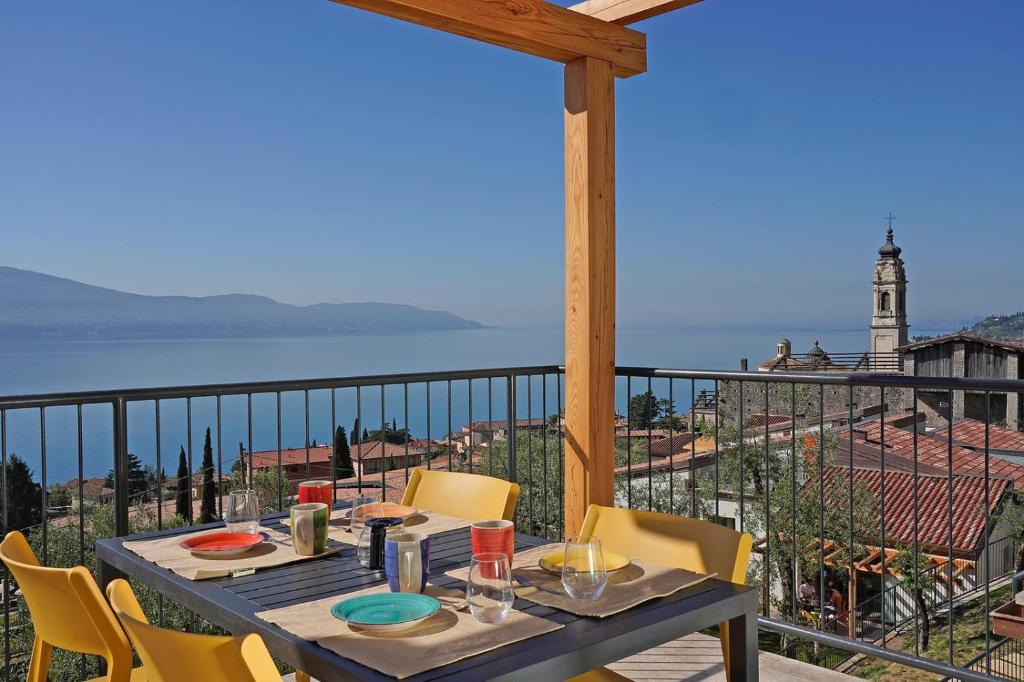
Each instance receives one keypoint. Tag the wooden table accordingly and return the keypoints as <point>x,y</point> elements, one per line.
<point>583,644</point>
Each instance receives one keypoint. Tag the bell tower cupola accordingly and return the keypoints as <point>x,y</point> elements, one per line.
<point>889,328</point>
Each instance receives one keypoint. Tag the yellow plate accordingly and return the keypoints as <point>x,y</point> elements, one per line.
<point>613,561</point>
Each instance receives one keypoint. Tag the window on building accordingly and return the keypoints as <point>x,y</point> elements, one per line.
<point>884,304</point>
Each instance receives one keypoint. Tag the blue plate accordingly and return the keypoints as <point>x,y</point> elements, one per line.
<point>386,611</point>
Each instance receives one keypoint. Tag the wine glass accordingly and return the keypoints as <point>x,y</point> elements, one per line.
<point>489,587</point>
<point>583,572</point>
<point>243,512</point>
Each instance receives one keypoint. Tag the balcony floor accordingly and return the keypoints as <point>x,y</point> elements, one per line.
<point>699,657</point>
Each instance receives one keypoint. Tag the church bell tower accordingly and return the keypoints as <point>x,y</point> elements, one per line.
<point>889,328</point>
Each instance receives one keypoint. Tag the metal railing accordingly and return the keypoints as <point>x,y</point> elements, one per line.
<point>877,362</point>
<point>810,507</point>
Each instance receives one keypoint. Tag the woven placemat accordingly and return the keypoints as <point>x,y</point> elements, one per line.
<point>627,587</point>
<point>446,637</point>
<point>276,551</point>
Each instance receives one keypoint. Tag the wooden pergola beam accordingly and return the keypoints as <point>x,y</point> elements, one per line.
<point>532,26</point>
<point>625,12</point>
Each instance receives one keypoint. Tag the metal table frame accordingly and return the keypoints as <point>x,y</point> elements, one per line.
<point>582,645</point>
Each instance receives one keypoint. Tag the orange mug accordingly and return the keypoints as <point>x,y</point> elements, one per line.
<point>493,536</point>
<point>316,491</point>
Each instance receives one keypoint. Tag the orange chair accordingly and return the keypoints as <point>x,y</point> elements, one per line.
<point>68,612</point>
<point>669,540</point>
<point>172,656</point>
<point>466,496</point>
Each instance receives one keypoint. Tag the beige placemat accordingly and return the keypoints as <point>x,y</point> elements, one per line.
<point>444,638</point>
<point>166,552</point>
<point>428,522</point>
<point>639,582</point>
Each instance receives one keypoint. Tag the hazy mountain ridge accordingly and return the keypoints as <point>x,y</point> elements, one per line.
<point>1001,327</point>
<point>33,304</point>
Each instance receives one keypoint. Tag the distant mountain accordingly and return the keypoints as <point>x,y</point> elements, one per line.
<point>34,305</point>
<point>1001,327</point>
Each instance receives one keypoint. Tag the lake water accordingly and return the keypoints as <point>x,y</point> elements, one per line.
<point>42,366</point>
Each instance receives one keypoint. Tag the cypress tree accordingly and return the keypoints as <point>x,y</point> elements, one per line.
<point>355,432</point>
<point>182,507</point>
<point>208,506</point>
<point>366,436</point>
<point>343,467</point>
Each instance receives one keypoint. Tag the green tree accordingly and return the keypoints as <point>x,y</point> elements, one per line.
<point>271,485</point>
<point>138,483</point>
<point>643,409</point>
<point>57,496</point>
<point>182,507</point>
<point>392,435</point>
<point>918,578</point>
<point>343,467</point>
<point>355,432</point>
<point>24,496</point>
<point>539,474</point>
<point>208,504</point>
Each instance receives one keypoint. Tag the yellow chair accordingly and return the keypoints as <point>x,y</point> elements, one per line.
<point>467,496</point>
<point>669,540</point>
<point>68,612</point>
<point>172,656</point>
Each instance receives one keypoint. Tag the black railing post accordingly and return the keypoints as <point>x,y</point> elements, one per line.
<point>511,437</point>
<point>120,466</point>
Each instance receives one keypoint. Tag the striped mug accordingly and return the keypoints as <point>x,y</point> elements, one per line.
<point>407,561</point>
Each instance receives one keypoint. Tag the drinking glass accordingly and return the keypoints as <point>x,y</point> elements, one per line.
<point>355,523</point>
<point>583,573</point>
<point>243,512</point>
<point>489,587</point>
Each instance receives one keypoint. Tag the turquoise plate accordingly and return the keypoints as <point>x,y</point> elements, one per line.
<point>386,611</point>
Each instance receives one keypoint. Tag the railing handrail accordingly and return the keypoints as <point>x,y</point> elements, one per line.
<point>34,400</point>
<point>833,378</point>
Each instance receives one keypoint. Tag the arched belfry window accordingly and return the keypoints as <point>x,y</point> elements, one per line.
<point>884,303</point>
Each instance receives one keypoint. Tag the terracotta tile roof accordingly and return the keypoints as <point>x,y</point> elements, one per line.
<point>963,337</point>
<point>760,419</point>
<point>268,458</point>
<point>971,432</point>
<point>869,456</point>
<point>933,507</point>
<point>935,452</point>
<point>679,443</point>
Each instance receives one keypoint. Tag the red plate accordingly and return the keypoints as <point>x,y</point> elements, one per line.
<point>219,545</point>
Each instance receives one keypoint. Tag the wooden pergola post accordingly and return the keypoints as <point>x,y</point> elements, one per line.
<point>589,288</point>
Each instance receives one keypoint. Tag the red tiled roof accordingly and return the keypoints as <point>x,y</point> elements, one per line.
<point>936,452</point>
<point>268,458</point>
<point>760,419</point>
<point>932,507</point>
<point>665,447</point>
<point>972,432</point>
<point>963,337</point>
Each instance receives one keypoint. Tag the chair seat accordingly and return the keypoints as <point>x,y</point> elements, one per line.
<point>138,675</point>
<point>600,675</point>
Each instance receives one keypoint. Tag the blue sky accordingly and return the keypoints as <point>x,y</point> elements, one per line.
<point>312,152</point>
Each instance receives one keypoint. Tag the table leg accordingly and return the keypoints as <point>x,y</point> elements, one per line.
<point>106,574</point>
<point>743,647</point>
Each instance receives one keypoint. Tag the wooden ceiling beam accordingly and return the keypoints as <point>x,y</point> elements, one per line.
<point>532,26</point>
<point>625,12</point>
